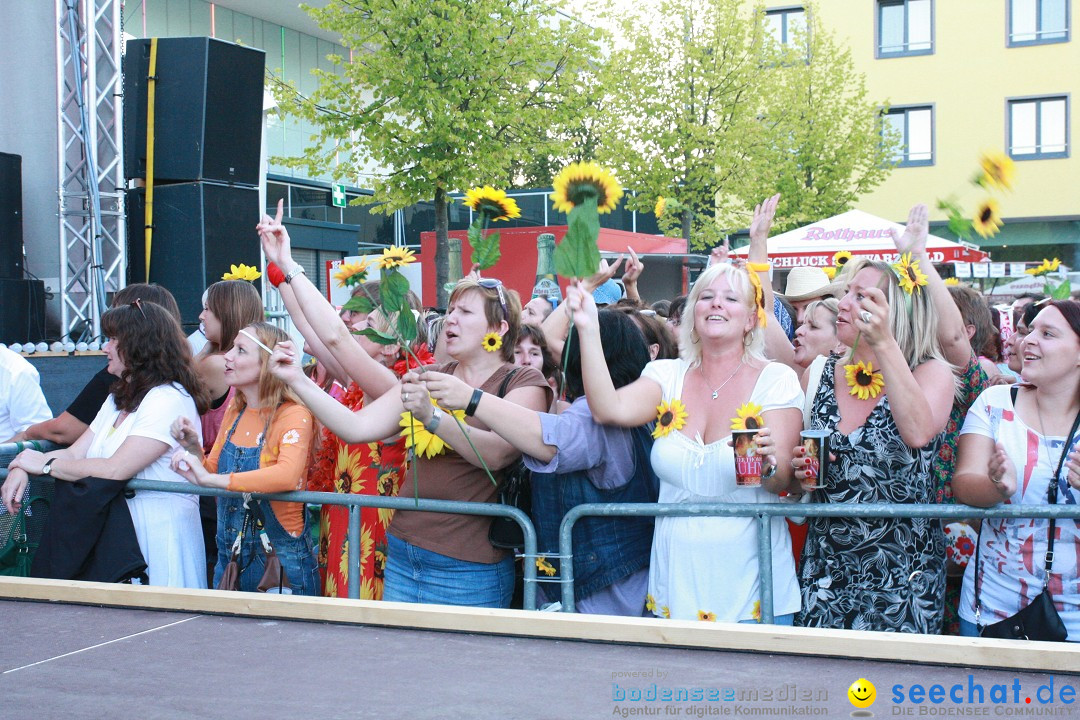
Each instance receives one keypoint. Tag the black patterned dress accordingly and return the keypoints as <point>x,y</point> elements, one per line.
<point>884,574</point>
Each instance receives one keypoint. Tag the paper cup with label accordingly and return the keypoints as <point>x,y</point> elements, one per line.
<point>747,460</point>
<point>816,443</point>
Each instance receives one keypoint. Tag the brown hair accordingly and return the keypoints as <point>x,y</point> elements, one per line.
<point>974,311</point>
<point>148,292</point>
<point>550,368</point>
<point>493,311</point>
<point>272,391</point>
<point>236,304</point>
<point>656,331</point>
<point>154,351</point>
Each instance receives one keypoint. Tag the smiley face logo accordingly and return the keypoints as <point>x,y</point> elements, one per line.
<point>862,693</point>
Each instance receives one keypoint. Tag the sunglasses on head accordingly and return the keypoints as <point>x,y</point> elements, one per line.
<point>137,303</point>
<point>496,284</point>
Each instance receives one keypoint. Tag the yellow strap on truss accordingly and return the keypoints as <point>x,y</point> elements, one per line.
<point>151,86</point>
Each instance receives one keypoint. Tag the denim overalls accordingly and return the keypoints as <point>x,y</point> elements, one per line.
<point>296,553</point>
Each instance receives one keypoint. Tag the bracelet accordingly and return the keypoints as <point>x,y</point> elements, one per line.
<point>474,401</point>
<point>759,267</point>
<point>298,270</point>
<point>274,274</point>
<point>432,423</point>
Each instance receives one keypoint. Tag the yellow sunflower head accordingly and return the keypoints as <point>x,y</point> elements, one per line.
<point>492,203</point>
<point>830,272</point>
<point>1045,268</point>
<point>396,256</point>
<point>841,258</point>
<point>669,416</point>
<point>987,218</point>
<point>492,341</point>
<point>706,616</point>
<point>650,603</point>
<point>863,380</point>
<point>747,417</point>
<point>242,272</point>
<point>352,273</point>
<point>665,611</point>
<point>661,203</point>
<point>910,275</point>
<point>952,281</point>
<point>542,565</point>
<point>998,170</point>
<point>419,440</point>
<point>578,181</point>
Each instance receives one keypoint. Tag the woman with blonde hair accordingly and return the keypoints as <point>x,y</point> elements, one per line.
<point>886,407</point>
<point>263,447</point>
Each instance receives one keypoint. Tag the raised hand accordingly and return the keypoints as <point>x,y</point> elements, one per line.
<point>605,273</point>
<point>634,268</point>
<point>582,306</point>
<point>915,233</point>
<point>720,253</point>
<point>763,219</point>
<point>872,317</point>
<point>275,238</point>
<point>285,363</point>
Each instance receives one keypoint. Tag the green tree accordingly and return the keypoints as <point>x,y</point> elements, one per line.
<point>824,145</point>
<point>442,95</point>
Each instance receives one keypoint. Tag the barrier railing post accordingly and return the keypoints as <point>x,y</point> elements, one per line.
<point>355,552</point>
<point>764,523</point>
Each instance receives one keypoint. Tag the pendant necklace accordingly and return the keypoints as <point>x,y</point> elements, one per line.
<point>716,392</point>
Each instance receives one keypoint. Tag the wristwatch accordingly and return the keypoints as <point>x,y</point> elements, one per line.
<point>46,469</point>
<point>432,423</point>
<point>298,270</point>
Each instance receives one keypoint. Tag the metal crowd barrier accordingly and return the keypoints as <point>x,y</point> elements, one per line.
<point>765,512</point>
<point>353,502</point>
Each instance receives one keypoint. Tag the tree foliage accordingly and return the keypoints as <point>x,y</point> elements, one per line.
<point>443,95</point>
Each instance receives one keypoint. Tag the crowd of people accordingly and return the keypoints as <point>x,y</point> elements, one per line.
<point>903,379</point>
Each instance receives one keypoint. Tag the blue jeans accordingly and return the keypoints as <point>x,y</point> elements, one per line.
<point>968,629</point>
<point>420,576</point>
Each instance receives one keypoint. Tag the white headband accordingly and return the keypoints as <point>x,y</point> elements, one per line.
<point>256,340</point>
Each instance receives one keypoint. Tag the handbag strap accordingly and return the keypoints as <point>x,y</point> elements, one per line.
<point>506,381</point>
<point>1051,499</point>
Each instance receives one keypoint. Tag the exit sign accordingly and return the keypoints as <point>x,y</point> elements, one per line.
<point>338,195</point>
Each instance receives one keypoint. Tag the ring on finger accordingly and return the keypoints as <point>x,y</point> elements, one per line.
<point>405,397</point>
<point>865,316</point>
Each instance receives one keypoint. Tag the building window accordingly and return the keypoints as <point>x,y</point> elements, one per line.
<point>905,27</point>
<point>783,24</point>
<point>1032,22</point>
<point>914,126</point>
<point>1038,128</point>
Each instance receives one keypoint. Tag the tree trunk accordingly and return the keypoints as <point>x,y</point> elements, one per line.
<point>442,246</point>
<point>686,216</point>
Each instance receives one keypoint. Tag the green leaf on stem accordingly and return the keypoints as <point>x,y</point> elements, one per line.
<point>485,250</point>
<point>578,255</point>
<point>406,324</point>
<point>376,336</point>
<point>359,303</point>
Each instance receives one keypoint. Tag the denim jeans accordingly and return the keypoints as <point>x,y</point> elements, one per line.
<point>422,576</point>
<point>968,629</point>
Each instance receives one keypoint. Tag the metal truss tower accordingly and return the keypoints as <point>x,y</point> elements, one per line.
<point>89,85</point>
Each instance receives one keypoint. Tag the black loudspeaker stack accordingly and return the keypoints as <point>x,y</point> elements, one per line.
<point>207,142</point>
<point>22,301</point>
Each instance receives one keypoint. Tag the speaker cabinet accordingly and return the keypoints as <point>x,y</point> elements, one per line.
<point>22,310</point>
<point>207,110</point>
<point>200,229</point>
<point>11,229</point>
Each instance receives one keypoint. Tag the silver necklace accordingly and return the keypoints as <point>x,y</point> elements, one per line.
<point>716,392</point>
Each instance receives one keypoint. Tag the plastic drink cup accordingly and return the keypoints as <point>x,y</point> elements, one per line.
<point>816,443</point>
<point>747,461</point>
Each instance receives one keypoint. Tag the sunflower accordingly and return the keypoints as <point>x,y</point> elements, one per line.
<point>492,341</point>
<point>650,603</point>
<point>841,258</point>
<point>242,272</point>
<point>492,203</point>
<point>952,281</point>
<point>911,277</point>
<point>706,616</point>
<point>987,219</point>
<point>755,613</point>
<point>665,611</point>
<point>830,272</point>
<point>864,381</point>
<point>396,256</point>
<point>998,170</point>
<point>579,180</point>
<point>748,417</point>
<point>426,443</point>
<point>352,273</point>
<point>669,416</point>
<point>545,567</point>
<point>661,203</point>
<point>1047,266</point>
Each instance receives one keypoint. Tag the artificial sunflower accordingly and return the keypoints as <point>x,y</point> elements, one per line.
<point>1047,266</point>
<point>909,274</point>
<point>417,437</point>
<point>396,256</point>
<point>864,381</point>
<point>545,567</point>
<point>579,180</point>
<point>650,603</point>
<point>242,272</point>
<point>755,613</point>
<point>952,281</point>
<point>669,416</point>
<point>987,219</point>
<point>748,417</point>
<point>665,611</point>
<point>830,272</point>
<point>998,170</point>
<point>492,203</point>
<point>661,203</point>
<point>350,274</point>
<point>706,616</point>
<point>492,341</point>
<point>841,258</point>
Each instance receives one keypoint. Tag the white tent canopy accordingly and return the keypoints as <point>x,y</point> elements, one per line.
<point>861,234</point>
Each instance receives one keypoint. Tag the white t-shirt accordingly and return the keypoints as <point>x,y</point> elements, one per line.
<point>21,401</point>
<point>710,565</point>
<point>1013,549</point>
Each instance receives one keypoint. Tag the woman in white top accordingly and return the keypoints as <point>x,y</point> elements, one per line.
<point>1011,445</point>
<point>707,567</point>
<point>130,437</point>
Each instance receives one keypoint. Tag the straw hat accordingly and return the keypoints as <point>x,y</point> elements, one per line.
<point>806,283</point>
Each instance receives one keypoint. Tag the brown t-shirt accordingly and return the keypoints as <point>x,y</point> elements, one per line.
<point>451,477</point>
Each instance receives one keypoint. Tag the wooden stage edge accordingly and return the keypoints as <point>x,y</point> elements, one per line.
<point>887,647</point>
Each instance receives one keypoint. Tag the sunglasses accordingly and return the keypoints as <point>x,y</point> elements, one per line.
<point>496,284</point>
<point>138,304</point>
